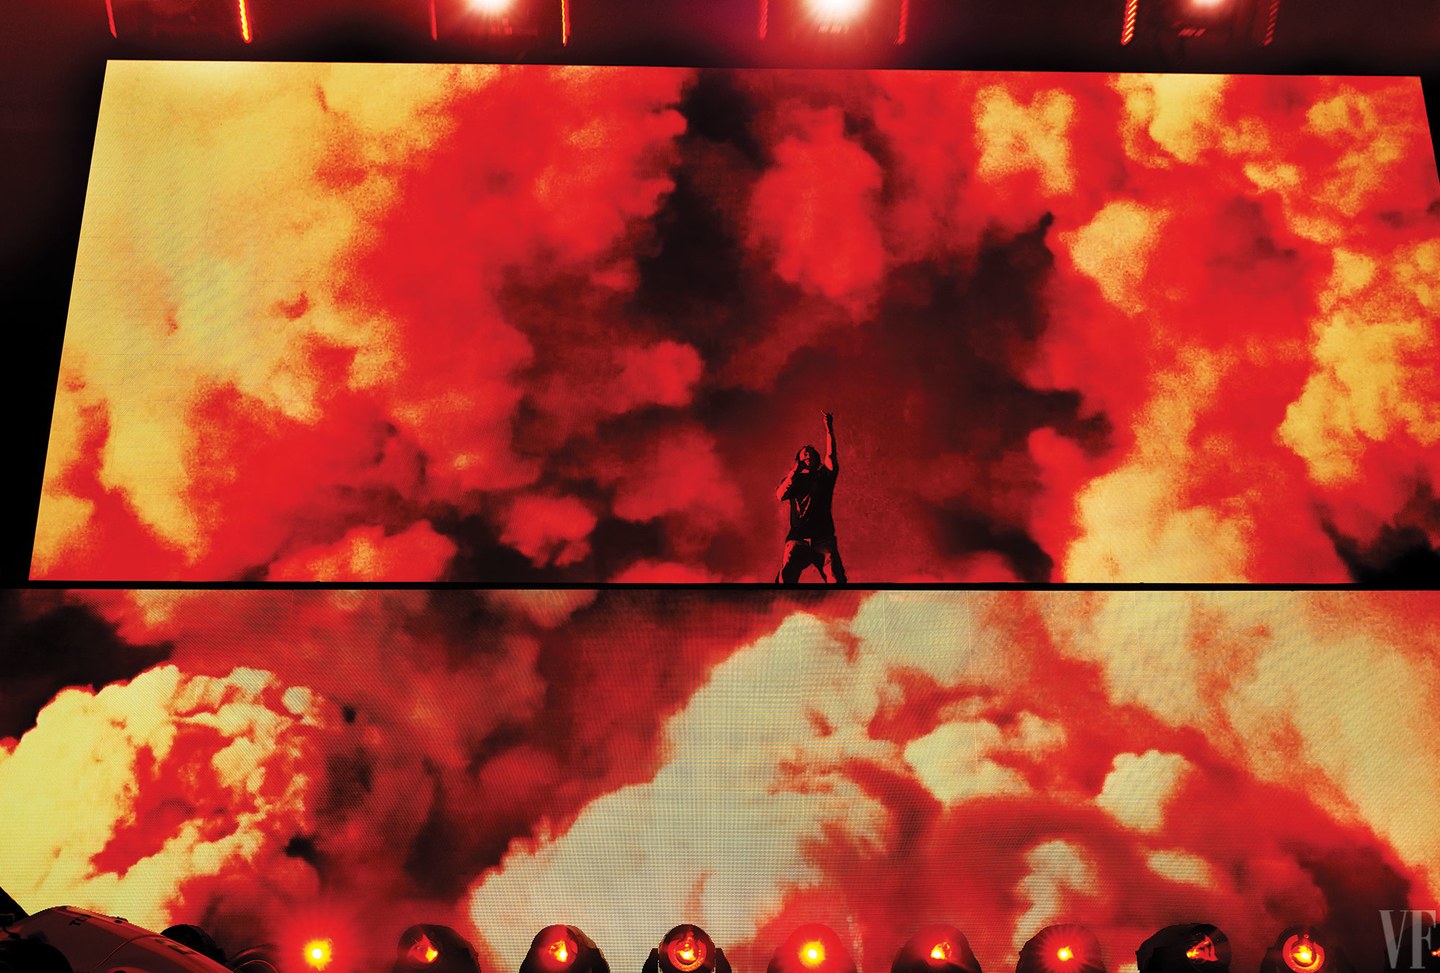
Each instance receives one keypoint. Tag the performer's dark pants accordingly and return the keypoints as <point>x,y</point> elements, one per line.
<point>822,553</point>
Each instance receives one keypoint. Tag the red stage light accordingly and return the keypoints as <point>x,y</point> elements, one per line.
<point>430,946</point>
<point>319,952</point>
<point>933,948</point>
<point>1302,954</point>
<point>491,7</point>
<point>561,951</point>
<point>687,949</point>
<point>812,948</point>
<point>1066,947</point>
<point>1203,951</point>
<point>423,950</point>
<point>686,954</point>
<point>812,953</point>
<point>1184,948</point>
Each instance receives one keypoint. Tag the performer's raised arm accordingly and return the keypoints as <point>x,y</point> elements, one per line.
<point>831,460</point>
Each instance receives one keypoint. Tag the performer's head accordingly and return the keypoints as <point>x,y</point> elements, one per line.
<point>807,458</point>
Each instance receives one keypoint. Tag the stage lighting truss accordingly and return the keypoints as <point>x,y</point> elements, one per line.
<point>1234,24</point>
<point>865,22</point>
<point>180,21</point>
<point>501,23</point>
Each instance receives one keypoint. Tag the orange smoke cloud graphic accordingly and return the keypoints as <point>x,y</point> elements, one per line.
<point>496,761</point>
<point>482,323</point>
<point>167,779</point>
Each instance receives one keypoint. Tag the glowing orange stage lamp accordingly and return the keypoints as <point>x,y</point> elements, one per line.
<point>935,948</point>
<point>812,953</point>
<point>492,7</point>
<point>1203,951</point>
<point>813,947</point>
<point>1187,947</point>
<point>559,948</point>
<point>1063,946</point>
<point>1302,954</point>
<point>319,952</point>
<point>687,953</point>
<point>423,950</point>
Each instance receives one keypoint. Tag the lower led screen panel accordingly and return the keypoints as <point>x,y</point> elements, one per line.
<point>338,767</point>
<point>380,322</point>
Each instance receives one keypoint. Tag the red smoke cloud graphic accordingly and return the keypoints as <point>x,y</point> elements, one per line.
<point>500,761</point>
<point>384,322</point>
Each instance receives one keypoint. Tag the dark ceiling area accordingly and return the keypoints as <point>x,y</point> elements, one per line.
<point>53,55</point>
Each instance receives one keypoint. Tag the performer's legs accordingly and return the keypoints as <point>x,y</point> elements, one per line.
<point>798,556</point>
<point>832,569</point>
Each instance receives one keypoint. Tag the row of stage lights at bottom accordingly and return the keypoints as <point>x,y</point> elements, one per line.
<point>1066,948</point>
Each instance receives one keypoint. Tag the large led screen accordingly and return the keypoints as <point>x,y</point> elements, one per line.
<point>380,321</point>
<point>288,767</point>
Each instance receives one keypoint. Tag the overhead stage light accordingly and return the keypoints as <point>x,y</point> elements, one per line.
<point>836,12</point>
<point>504,26</point>
<point>862,23</point>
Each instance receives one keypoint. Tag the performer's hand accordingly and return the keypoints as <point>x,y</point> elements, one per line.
<point>829,419</point>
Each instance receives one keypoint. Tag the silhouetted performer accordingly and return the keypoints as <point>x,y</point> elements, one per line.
<point>809,487</point>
